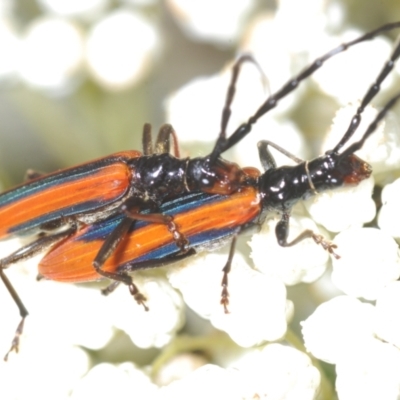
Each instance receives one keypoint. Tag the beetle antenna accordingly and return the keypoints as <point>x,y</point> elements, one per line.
<point>371,128</point>
<point>371,93</point>
<point>224,143</point>
<point>227,111</point>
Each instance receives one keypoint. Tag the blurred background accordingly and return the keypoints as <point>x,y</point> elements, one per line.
<point>79,78</point>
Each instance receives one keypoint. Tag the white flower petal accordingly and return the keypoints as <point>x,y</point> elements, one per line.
<point>336,327</point>
<point>208,20</point>
<point>344,76</point>
<point>156,327</point>
<point>88,9</point>
<point>200,284</point>
<point>304,262</point>
<point>120,49</point>
<point>389,215</point>
<point>179,367</point>
<point>370,373</point>
<point>207,382</point>
<point>342,208</point>
<point>51,54</point>
<point>62,366</point>
<point>369,261</point>
<point>279,372</point>
<point>107,381</point>
<point>387,317</point>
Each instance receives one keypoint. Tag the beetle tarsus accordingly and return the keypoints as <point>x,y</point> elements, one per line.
<point>139,297</point>
<point>326,244</point>
<point>15,341</point>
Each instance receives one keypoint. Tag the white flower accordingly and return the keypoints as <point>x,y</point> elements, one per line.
<point>387,317</point>
<point>38,358</point>
<point>156,327</point>
<point>182,109</point>
<point>369,261</point>
<point>389,215</point>
<point>107,381</point>
<point>218,22</point>
<point>274,372</point>
<point>279,372</point>
<point>304,262</point>
<point>257,303</point>
<point>369,372</point>
<point>381,149</point>
<point>336,326</point>
<point>9,49</point>
<point>342,208</point>
<point>178,367</point>
<point>120,49</point>
<point>85,9</point>
<point>207,382</point>
<point>344,76</point>
<point>51,54</point>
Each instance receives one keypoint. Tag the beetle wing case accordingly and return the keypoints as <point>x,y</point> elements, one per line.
<point>205,220</point>
<point>82,192</point>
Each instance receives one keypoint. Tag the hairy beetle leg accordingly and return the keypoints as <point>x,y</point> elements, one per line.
<point>326,244</point>
<point>226,270</point>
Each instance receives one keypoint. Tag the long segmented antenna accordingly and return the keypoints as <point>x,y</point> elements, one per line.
<point>371,93</point>
<point>226,112</point>
<point>371,128</point>
<point>224,143</point>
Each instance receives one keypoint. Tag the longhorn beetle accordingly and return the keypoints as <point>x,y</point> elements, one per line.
<point>132,186</point>
<point>210,221</point>
<point>130,181</point>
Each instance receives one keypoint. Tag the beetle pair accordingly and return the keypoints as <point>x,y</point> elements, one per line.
<point>213,200</point>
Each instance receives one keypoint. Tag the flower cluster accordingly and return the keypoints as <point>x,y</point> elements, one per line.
<point>87,346</point>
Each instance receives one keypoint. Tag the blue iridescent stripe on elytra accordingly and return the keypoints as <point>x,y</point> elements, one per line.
<point>27,228</point>
<point>199,240</point>
<point>100,230</point>
<point>58,179</point>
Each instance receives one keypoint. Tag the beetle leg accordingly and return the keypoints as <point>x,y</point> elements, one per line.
<point>23,312</point>
<point>104,253</point>
<point>149,264</point>
<point>36,247</point>
<point>110,288</point>
<point>226,270</point>
<point>111,243</point>
<point>147,142</point>
<point>282,233</point>
<point>162,219</point>
<point>163,141</point>
<point>23,253</point>
<point>267,159</point>
<point>124,278</point>
<point>114,239</point>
